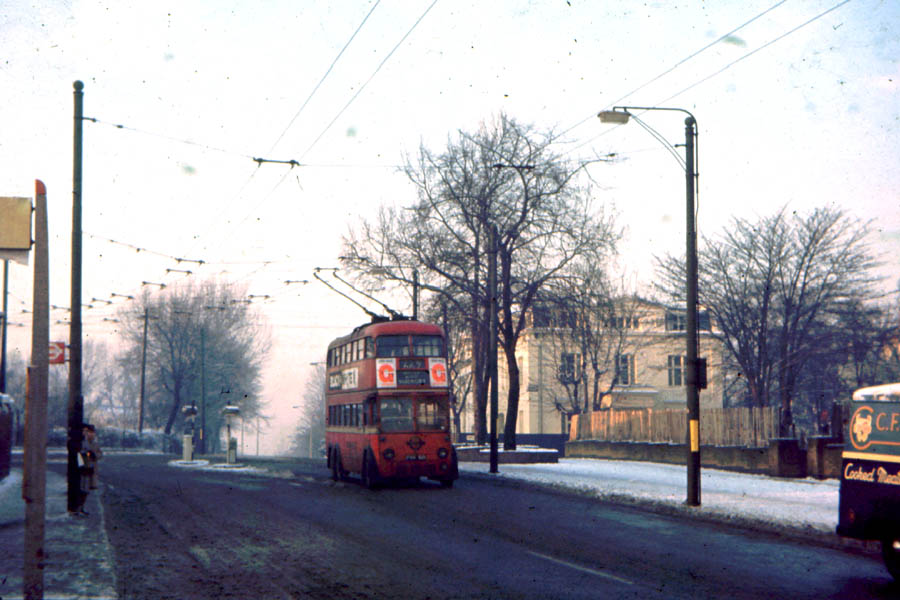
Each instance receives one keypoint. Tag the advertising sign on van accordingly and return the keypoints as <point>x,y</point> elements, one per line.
<point>876,428</point>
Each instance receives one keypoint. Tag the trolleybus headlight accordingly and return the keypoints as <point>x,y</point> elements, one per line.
<point>442,453</point>
<point>444,466</point>
<point>388,454</point>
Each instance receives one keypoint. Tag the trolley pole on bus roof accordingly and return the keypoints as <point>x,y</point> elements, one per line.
<point>492,343</point>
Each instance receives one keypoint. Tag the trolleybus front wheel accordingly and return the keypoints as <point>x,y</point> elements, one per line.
<point>890,550</point>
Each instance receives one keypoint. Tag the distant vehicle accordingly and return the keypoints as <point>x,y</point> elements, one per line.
<point>387,404</point>
<point>870,474</point>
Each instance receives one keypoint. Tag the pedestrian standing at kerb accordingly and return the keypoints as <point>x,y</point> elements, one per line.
<point>88,462</point>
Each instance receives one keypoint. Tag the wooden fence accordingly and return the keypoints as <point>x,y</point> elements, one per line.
<point>749,427</point>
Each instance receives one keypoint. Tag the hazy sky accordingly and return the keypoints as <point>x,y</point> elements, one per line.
<point>797,106</point>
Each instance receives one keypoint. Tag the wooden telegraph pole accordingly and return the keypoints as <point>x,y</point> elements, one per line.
<point>34,481</point>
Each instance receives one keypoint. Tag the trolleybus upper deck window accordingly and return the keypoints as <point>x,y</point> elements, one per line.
<point>392,345</point>
<point>427,345</point>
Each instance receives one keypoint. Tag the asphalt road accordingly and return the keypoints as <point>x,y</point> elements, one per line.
<point>180,533</point>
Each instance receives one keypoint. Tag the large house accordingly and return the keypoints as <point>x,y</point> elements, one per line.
<point>640,363</point>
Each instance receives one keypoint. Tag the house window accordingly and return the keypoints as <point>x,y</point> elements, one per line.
<point>624,369</point>
<point>676,321</point>
<point>676,370</point>
<point>624,323</point>
<point>703,321</point>
<point>568,367</point>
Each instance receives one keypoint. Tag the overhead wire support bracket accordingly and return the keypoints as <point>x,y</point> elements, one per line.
<point>293,163</point>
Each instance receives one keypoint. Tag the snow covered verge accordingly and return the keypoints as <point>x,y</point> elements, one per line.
<point>799,506</point>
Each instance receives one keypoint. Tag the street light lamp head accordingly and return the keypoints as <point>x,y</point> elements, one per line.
<point>613,116</point>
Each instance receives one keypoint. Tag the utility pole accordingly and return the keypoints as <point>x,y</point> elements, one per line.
<point>415,298</point>
<point>34,481</point>
<point>76,400</point>
<point>693,390</point>
<point>143,372</point>
<point>492,344</point>
<point>3,331</point>
<point>203,390</point>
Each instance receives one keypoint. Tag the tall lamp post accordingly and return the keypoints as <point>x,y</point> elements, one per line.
<point>695,368</point>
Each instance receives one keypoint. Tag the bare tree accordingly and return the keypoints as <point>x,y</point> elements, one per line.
<point>868,337</point>
<point>310,431</point>
<point>110,390</point>
<point>503,176</point>
<point>773,286</point>
<point>202,337</point>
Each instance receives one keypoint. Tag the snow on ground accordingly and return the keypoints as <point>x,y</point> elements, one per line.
<point>12,507</point>
<point>205,465</point>
<point>795,503</point>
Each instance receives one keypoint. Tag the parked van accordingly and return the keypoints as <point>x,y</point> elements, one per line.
<point>870,472</point>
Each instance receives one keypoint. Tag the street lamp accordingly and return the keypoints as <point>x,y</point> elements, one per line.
<point>621,115</point>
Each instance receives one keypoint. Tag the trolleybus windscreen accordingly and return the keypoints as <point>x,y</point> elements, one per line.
<point>396,414</point>
<point>431,415</point>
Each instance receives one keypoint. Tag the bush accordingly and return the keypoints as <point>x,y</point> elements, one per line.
<point>113,437</point>
<point>130,439</point>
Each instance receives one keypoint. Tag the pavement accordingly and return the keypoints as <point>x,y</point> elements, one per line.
<point>78,556</point>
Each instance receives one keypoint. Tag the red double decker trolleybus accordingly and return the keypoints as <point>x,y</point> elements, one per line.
<point>387,404</point>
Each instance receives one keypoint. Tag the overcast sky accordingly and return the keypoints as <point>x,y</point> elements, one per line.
<point>797,104</point>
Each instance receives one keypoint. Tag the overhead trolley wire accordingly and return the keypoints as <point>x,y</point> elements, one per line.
<point>292,162</point>
<point>327,72</point>
<point>341,112</point>
<point>140,249</point>
<point>718,72</point>
<point>752,52</point>
<point>166,137</point>
<point>372,76</point>
<point>679,63</point>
